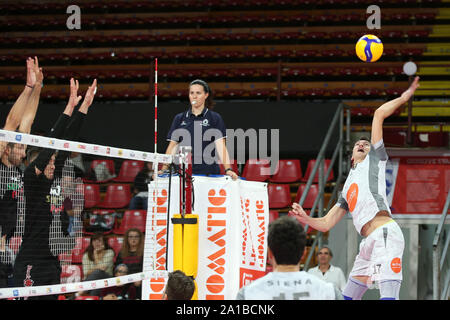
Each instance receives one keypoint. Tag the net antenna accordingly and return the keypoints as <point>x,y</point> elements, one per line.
<point>155,169</point>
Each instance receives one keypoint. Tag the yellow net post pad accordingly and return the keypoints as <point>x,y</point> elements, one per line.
<point>185,245</point>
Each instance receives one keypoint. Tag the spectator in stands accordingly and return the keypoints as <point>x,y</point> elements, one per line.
<point>200,118</point>
<point>179,286</point>
<point>98,259</point>
<point>78,162</point>
<point>140,188</point>
<point>120,292</point>
<point>326,271</point>
<point>286,240</point>
<point>132,254</point>
<point>35,264</point>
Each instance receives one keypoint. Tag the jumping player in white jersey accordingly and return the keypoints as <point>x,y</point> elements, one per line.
<point>286,240</point>
<point>379,262</point>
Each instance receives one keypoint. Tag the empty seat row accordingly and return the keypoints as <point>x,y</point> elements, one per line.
<point>212,54</point>
<point>117,196</point>
<point>223,19</point>
<point>286,171</point>
<point>261,93</point>
<point>144,74</point>
<point>147,39</point>
<point>128,170</point>
<point>280,195</point>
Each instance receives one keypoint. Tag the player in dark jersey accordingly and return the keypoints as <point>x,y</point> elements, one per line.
<point>12,204</point>
<point>20,117</point>
<point>35,264</point>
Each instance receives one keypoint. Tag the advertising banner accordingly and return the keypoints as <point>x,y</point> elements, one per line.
<point>232,248</point>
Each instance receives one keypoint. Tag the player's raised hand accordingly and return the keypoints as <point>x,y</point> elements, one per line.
<point>74,98</point>
<point>38,72</point>
<point>89,96</point>
<point>31,76</point>
<point>412,88</point>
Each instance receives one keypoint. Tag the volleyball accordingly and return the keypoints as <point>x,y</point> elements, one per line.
<point>369,48</point>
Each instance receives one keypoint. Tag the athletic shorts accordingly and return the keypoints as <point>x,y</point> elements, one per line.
<point>36,273</point>
<point>380,254</point>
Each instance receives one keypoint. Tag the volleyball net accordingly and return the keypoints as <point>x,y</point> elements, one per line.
<point>50,217</point>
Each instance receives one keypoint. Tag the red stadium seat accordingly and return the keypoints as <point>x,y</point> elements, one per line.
<point>232,93</point>
<point>418,33</point>
<point>314,92</point>
<point>310,167</point>
<point>273,215</point>
<point>394,137</point>
<point>342,92</point>
<point>332,53</point>
<point>129,170</point>
<point>313,192</point>
<point>279,196</point>
<point>368,92</point>
<point>430,139</point>
<point>255,54</point>
<point>91,195</point>
<point>410,52</point>
<point>322,71</point>
<point>425,16</point>
<point>399,16</point>
<point>315,35</point>
<point>80,246</point>
<point>116,244</point>
<point>256,170</point>
<point>71,273</point>
<point>288,170</point>
<point>297,72</point>
<point>350,71</point>
<point>108,164</point>
<point>261,93</point>
<point>361,111</point>
<point>392,34</point>
<point>132,219</point>
<point>117,196</point>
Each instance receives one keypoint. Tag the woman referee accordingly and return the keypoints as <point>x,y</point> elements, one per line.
<point>202,129</point>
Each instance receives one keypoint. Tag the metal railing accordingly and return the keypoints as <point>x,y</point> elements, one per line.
<point>441,267</point>
<point>338,153</point>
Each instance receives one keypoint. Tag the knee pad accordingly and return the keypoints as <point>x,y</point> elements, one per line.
<point>354,290</point>
<point>390,289</point>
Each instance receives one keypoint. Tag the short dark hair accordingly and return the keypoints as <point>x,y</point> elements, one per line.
<point>365,138</point>
<point>179,286</point>
<point>286,240</point>
<point>209,103</point>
